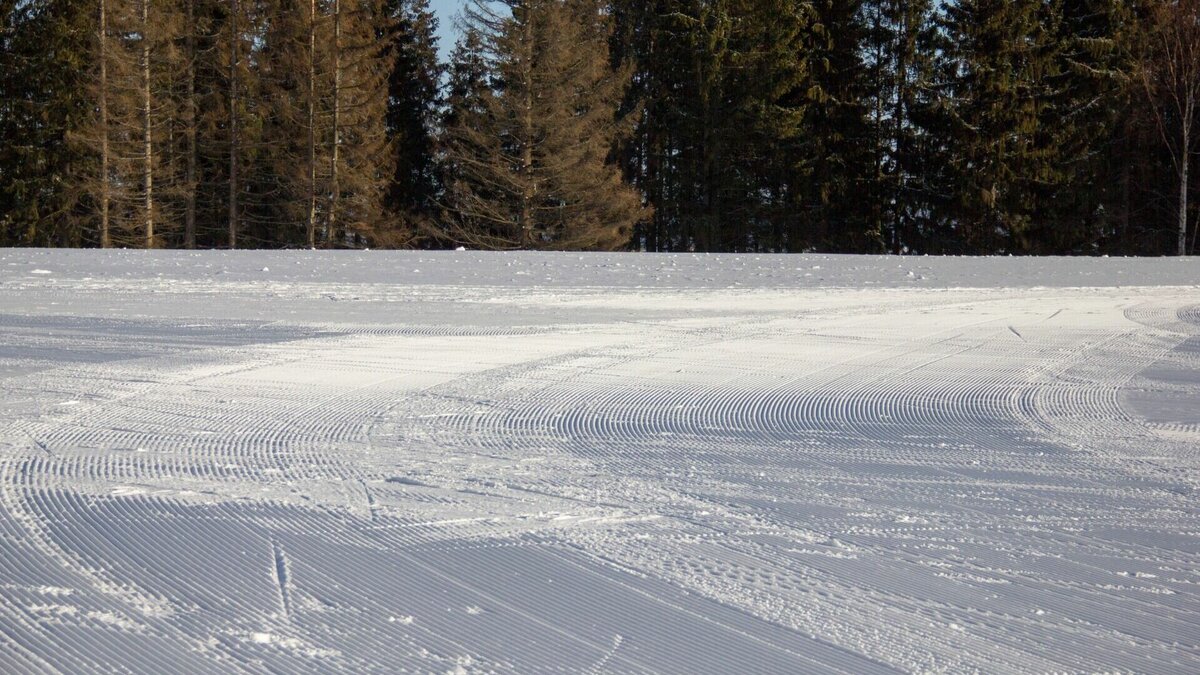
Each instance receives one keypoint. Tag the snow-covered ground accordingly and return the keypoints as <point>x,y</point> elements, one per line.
<point>462,462</point>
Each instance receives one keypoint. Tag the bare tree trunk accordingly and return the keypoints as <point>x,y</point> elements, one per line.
<point>528,189</point>
<point>335,187</point>
<point>105,195</point>
<point>900,121</point>
<point>1184,162</point>
<point>311,225</point>
<point>233,123</point>
<point>189,216</point>
<point>147,128</point>
<point>1170,75</point>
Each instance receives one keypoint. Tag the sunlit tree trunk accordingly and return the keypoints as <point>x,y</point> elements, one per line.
<point>335,187</point>
<point>147,129</point>
<point>234,39</point>
<point>189,216</point>
<point>105,193</point>
<point>311,112</point>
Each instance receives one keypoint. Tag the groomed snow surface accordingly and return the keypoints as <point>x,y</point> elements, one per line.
<point>515,463</point>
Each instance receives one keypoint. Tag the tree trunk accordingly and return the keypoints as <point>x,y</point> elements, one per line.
<point>335,187</point>
<point>233,124</point>
<point>528,190</point>
<point>1184,158</point>
<point>900,114</point>
<point>105,196</point>
<point>147,128</point>
<point>311,226</point>
<point>189,216</point>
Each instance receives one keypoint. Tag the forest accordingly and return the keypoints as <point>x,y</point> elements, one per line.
<point>1020,127</point>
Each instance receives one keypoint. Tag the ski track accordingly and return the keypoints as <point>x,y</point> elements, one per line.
<point>413,462</point>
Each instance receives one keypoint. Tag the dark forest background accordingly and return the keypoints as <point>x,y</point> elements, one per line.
<point>904,126</point>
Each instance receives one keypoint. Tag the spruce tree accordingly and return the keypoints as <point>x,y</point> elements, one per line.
<point>361,162</point>
<point>723,89</point>
<point>128,162</point>
<point>235,122</point>
<point>532,156</point>
<point>1091,96</point>
<point>189,111</point>
<point>653,39</point>
<point>413,102</point>
<point>293,71</point>
<point>45,58</point>
<point>841,192</point>
<point>997,97</point>
<point>896,68</point>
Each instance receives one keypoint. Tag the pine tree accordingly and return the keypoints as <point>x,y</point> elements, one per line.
<point>44,69</point>
<point>410,29</point>
<point>533,155</point>
<point>842,192</point>
<point>723,89</point>
<point>1001,63</point>
<point>896,66</point>
<point>361,162</point>
<point>653,39</point>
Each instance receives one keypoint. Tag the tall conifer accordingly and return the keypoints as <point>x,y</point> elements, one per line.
<point>413,100</point>
<point>532,153</point>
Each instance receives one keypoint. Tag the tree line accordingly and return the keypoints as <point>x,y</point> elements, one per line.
<point>904,126</point>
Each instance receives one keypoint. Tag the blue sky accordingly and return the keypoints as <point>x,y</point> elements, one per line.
<point>446,10</point>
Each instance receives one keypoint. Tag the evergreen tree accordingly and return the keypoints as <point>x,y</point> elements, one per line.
<point>412,107</point>
<point>294,76</point>
<point>532,155</point>
<point>127,156</point>
<point>843,192</point>
<point>652,39</point>
<point>723,89</point>
<point>1001,61</point>
<point>235,124</point>
<point>468,87</point>
<point>1090,97</point>
<point>189,119</point>
<point>468,82</point>
<point>361,162</point>
<point>44,70</point>
<point>896,32</point>
<point>1023,126</point>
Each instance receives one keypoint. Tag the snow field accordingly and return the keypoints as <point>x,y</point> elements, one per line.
<point>466,462</point>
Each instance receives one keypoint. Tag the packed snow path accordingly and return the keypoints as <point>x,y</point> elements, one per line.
<point>463,462</point>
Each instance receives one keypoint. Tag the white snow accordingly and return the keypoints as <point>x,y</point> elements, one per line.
<point>473,462</point>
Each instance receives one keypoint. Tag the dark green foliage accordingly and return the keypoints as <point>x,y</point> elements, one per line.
<point>998,90</point>
<point>897,60</point>
<point>907,126</point>
<point>1023,101</point>
<point>531,152</point>
<point>724,88</point>
<point>44,67</point>
<point>412,108</point>
<point>842,199</point>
